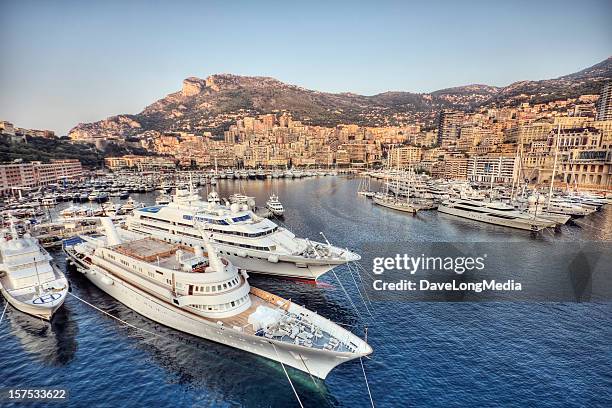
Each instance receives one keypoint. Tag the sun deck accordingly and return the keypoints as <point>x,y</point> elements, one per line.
<point>291,327</point>
<point>153,250</point>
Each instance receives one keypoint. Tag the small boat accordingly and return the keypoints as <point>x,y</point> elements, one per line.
<point>242,199</point>
<point>275,206</point>
<point>28,279</point>
<point>163,199</point>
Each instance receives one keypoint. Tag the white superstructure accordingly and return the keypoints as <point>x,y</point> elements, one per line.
<point>249,241</point>
<point>207,296</point>
<point>28,279</point>
<point>275,206</point>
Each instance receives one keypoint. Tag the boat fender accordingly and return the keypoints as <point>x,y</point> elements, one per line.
<point>242,254</point>
<point>107,281</point>
<point>273,258</point>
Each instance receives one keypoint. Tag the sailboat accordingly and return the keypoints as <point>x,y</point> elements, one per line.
<point>365,187</point>
<point>394,201</point>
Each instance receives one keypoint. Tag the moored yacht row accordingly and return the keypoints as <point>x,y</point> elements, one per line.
<point>184,264</point>
<point>505,206</point>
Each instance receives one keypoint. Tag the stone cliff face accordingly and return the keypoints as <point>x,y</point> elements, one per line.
<point>193,86</point>
<point>214,103</point>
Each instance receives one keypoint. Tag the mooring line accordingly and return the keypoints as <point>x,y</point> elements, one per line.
<point>366,381</point>
<point>287,374</point>
<point>314,382</point>
<point>347,295</point>
<point>3,311</point>
<point>359,291</point>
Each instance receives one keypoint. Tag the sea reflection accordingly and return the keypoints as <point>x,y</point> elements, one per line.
<point>51,343</point>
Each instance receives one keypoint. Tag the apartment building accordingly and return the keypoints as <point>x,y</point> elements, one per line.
<point>590,169</point>
<point>403,157</point>
<point>500,169</point>
<point>604,105</point>
<point>37,174</point>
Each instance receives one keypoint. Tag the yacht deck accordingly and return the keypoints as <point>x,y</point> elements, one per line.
<point>153,250</point>
<point>292,328</point>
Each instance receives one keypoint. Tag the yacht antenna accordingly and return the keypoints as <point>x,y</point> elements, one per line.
<point>37,275</point>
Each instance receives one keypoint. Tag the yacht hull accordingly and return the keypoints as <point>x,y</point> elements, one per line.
<point>404,207</point>
<point>45,313</point>
<point>317,362</point>
<point>280,268</point>
<point>258,262</point>
<point>523,225</point>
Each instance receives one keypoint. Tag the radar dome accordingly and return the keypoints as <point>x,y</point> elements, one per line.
<point>234,208</point>
<point>251,202</point>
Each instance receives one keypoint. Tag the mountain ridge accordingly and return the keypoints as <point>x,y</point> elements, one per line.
<point>214,102</point>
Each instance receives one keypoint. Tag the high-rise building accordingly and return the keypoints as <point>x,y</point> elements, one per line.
<point>604,105</point>
<point>448,127</point>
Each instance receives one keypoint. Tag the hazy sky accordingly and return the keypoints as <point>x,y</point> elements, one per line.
<point>64,62</point>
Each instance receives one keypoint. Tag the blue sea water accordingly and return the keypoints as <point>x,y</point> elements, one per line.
<point>426,354</point>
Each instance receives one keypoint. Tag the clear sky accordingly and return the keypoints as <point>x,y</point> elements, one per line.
<point>64,62</point>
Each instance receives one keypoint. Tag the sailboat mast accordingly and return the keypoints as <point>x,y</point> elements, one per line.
<point>554,169</point>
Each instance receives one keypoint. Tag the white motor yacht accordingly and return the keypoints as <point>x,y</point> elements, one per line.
<point>195,291</point>
<point>28,279</point>
<point>163,199</point>
<point>494,213</point>
<point>249,241</point>
<point>275,206</point>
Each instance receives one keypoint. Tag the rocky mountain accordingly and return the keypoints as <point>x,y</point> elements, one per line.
<point>212,104</point>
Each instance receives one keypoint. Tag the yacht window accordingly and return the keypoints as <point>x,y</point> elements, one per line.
<point>225,286</point>
<point>233,304</point>
<point>214,288</point>
<point>242,218</point>
<point>219,288</point>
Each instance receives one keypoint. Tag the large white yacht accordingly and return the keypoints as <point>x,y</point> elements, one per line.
<point>198,292</point>
<point>249,241</point>
<point>494,213</point>
<point>28,279</point>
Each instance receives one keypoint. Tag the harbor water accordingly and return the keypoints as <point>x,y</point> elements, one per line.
<point>426,354</point>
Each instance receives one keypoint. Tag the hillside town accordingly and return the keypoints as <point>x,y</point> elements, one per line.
<point>503,142</point>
